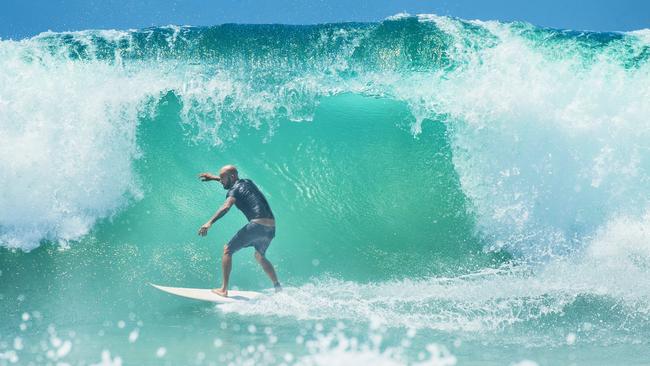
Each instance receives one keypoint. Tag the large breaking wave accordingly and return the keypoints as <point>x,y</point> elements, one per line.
<point>547,129</point>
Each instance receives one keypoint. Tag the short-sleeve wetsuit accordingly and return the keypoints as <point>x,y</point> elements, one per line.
<point>250,200</point>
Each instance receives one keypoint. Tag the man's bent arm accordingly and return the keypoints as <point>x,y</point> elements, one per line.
<point>222,210</point>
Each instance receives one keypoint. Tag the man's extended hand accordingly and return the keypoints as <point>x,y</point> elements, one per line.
<point>203,231</point>
<point>206,177</point>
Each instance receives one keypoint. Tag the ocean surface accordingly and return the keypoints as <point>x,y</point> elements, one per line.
<point>447,192</point>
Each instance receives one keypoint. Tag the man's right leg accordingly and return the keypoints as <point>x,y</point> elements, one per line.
<point>237,242</point>
<point>226,267</point>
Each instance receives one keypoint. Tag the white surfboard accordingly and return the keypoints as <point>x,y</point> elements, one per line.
<point>206,294</point>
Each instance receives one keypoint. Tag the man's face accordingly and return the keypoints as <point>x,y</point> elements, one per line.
<point>225,179</point>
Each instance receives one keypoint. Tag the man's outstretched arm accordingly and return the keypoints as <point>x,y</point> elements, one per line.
<point>206,177</point>
<point>203,231</point>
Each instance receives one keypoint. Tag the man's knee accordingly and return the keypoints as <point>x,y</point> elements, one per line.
<point>259,256</point>
<point>226,250</point>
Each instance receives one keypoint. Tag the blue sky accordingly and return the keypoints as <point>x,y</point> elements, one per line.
<point>23,18</point>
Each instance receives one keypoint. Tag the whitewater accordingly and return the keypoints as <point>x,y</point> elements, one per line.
<point>446,192</point>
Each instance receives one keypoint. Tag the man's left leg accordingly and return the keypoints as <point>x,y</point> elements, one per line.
<point>268,268</point>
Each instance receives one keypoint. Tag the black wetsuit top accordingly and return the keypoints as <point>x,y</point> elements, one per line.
<point>250,200</point>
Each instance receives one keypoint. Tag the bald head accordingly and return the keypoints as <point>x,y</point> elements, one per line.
<point>228,175</point>
<point>228,169</point>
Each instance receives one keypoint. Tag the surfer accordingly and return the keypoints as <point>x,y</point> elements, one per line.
<point>259,231</point>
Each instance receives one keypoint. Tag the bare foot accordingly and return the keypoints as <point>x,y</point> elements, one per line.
<point>220,292</point>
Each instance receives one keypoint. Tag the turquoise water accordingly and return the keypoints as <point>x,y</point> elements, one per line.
<point>446,192</point>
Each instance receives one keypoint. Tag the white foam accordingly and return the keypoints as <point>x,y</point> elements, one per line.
<point>642,34</point>
<point>399,16</point>
<point>161,352</point>
<point>133,336</point>
<point>474,304</point>
<point>336,348</point>
<point>525,363</point>
<point>548,146</point>
<point>107,360</point>
<point>67,142</point>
